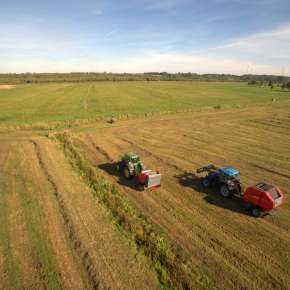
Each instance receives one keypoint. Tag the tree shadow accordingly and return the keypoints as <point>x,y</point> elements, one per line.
<point>193,181</point>
<point>111,168</point>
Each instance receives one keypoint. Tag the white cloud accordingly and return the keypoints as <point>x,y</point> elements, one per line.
<point>268,45</point>
<point>112,32</point>
<point>141,63</point>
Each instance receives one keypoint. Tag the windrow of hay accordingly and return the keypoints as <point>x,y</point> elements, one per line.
<point>80,249</point>
<point>172,264</point>
<point>60,125</point>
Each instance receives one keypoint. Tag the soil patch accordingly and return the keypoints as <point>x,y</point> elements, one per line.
<point>7,87</point>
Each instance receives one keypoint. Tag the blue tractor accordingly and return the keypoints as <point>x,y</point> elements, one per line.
<point>225,180</point>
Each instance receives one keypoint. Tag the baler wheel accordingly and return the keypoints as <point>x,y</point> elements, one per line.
<point>256,212</point>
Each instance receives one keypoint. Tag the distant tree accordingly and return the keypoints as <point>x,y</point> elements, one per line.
<point>288,85</point>
<point>270,84</point>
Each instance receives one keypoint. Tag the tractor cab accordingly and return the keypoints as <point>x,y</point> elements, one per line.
<point>228,173</point>
<point>130,165</point>
<point>131,157</point>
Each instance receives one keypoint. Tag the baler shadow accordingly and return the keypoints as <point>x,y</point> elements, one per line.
<point>193,181</point>
<point>111,169</point>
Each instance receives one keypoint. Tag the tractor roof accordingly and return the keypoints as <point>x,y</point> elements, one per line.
<point>131,154</point>
<point>229,171</point>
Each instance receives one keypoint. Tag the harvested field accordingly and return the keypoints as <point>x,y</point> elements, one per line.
<point>234,248</point>
<point>70,221</point>
<point>68,238</point>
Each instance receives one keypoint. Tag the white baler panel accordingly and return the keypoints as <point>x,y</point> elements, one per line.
<point>154,180</point>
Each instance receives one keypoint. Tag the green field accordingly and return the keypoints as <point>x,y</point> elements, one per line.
<point>26,104</point>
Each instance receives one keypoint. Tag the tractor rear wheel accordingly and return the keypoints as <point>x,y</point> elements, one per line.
<point>224,191</point>
<point>126,173</point>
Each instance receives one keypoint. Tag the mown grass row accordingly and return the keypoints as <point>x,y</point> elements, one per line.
<point>62,125</point>
<point>40,248</point>
<point>10,268</point>
<point>172,264</point>
<point>44,258</point>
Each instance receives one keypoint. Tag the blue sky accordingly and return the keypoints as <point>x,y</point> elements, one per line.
<point>218,36</point>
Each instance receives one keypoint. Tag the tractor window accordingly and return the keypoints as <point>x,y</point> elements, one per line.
<point>135,159</point>
<point>234,177</point>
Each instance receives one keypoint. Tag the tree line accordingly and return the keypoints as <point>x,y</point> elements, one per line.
<point>148,76</point>
<point>283,84</point>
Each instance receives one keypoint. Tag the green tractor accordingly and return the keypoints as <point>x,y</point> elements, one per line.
<point>130,165</point>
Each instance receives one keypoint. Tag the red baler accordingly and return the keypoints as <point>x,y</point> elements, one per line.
<point>263,197</point>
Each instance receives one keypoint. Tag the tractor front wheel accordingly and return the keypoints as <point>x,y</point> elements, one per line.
<point>224,191</point>
<point>126,173</point>
<point>205,182</point>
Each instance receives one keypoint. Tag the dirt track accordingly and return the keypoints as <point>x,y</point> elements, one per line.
<point>237,250</point>
<point>7,87</point>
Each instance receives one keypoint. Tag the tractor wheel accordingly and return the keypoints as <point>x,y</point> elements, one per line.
<point>140,187</point>
<point>256,212</point>
<point>205,182</point>
<point>126,173</point>
<point>224,191</point>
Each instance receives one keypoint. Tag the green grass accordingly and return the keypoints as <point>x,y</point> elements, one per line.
<point>27,104</point>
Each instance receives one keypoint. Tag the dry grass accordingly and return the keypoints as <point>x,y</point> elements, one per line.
<point>55,234</point>
<point>169,260</point>
<point>219,234</point>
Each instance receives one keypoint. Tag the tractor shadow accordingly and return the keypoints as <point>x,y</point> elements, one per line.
<point>212,197</point>
<point>111,169</point>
